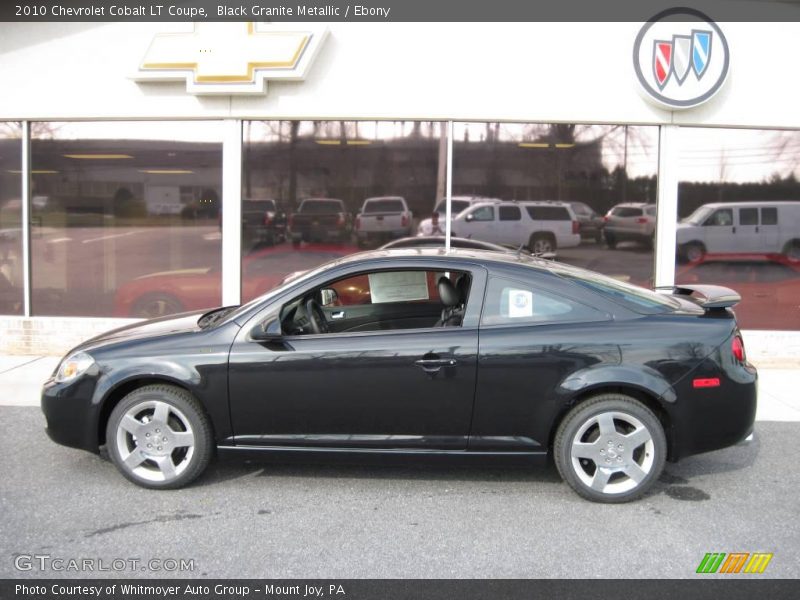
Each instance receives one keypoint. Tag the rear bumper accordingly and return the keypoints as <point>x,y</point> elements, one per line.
<point>715,418</point>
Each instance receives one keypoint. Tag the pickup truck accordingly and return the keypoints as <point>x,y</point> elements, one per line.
<point>319,220</point>
<point>382,218</point>
<point>263,222</point>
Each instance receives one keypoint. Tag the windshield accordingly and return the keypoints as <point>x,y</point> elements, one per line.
<point>291,279</point>
<point>456,206</point>
<point>321,206</point>
<point>386,205</point>
<point>698,216</point>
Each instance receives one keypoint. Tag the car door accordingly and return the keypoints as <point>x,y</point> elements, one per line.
<point>479,223</point>
<point>509,226</point>
<point>719,232</point>
<point>748,237</point>
<point>397,389</point>
<point>769,230</point>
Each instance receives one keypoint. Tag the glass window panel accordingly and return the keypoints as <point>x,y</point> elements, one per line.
<point>565,173</point>
<point>336,187</point>
<point>744,173</point>
<point>510,213</point>
<point>11,277</point>
<point>125,217</point>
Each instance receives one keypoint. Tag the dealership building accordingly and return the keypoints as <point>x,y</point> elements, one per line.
<point>142,163</point>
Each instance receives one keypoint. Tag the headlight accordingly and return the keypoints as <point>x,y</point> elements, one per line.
<point>73,366</point>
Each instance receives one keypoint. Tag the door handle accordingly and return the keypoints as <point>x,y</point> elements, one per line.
<point>337,315</point>
<point>434,365</point>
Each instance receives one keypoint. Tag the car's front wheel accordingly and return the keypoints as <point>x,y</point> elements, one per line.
<point>610,449</point>
<point>158,436</point>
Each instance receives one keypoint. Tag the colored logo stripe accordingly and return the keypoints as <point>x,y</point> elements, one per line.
<point>713,562</point>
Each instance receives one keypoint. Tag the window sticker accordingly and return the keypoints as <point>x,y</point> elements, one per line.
<point>398,287</point>
<point>520,303</point>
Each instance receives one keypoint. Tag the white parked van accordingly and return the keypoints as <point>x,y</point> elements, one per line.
<point>727,228</point>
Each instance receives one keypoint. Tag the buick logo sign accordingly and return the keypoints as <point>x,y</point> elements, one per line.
<point>681,58</point>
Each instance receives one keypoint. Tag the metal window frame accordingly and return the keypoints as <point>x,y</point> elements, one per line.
<point>25,202</point>
<point>231,212</point>
<point>666,208</point>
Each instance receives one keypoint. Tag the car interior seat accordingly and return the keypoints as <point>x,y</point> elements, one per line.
<point>454,297</point>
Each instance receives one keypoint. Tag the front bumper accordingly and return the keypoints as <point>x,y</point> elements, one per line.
<point>72,418</point>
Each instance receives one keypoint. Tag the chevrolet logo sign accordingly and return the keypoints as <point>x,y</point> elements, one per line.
<point>230,58</point>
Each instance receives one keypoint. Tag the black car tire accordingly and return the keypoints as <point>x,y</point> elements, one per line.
<point>184,415</point>
<point>580,432</point>
<point>694,252</point>
<point>545,242</point>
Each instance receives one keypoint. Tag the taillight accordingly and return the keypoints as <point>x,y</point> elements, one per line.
<point>576,227</point>
<point>641,220</point>
<point>605,219</point>
<point>340,220</point>
<point>404,221</point>
<point>267,219</point>
<point>737,348</point>
<point>358,222</point>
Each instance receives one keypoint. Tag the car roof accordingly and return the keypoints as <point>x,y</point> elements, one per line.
<point>752,203</point>
<point>633,205</point>
<point>384,198</point>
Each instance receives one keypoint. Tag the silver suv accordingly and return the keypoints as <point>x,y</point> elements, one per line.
<point>631,221</point>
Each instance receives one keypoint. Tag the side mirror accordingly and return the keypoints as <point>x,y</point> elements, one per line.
<point>328,297</point>
<point>267,332</point>
<point>469,218</point>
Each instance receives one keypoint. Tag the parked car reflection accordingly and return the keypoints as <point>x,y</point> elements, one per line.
<point>770,290</point>
<point>169,292</point>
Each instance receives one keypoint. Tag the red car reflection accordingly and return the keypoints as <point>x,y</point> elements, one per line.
<point>770,290</point>
<point>171,292</point>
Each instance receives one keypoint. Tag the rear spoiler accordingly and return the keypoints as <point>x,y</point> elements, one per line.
<point>709,296</point>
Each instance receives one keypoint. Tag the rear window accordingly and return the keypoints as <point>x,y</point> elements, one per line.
<point>381,206</point>
<point>548,213</point>
<point>321,206</point>
<point>264,205</point>
<point>626,211</point>
<point>633,297</point>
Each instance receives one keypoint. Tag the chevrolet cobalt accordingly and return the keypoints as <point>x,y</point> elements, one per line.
<point>421,351</point>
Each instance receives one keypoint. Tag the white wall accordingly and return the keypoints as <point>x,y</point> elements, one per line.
<point>482,71</point>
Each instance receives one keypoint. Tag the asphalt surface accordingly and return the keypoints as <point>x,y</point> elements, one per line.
<point>408,520</point>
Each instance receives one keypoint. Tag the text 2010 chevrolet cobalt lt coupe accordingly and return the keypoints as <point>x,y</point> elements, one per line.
<point>416,351</point>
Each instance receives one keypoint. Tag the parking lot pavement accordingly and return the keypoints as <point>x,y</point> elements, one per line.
<point>405,520</point>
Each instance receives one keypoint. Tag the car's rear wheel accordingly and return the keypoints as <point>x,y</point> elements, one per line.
<point>151,306</point>
<point>792,250</point>
<point>610,449</point>
<point>541,243</point>
<point>694,252</point>
<point>159,437</point>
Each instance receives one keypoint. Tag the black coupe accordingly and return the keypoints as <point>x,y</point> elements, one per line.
<point>418,351</point>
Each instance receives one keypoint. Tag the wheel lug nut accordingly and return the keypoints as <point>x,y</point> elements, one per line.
<point>620,447</point>
<point>149,445</point>
<point>147,435</point>
<point>602,451</point>
<point>158,431</point>
<point>159,447</point>
<point>165,439</point>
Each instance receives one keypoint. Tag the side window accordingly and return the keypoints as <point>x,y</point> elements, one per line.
<point>483,213</point>
<point>548,213</point>
<point>769,216</point>
<point>720,218</point>
<point>509,213</point>
<point>509,302</point>
<point>748,216</point>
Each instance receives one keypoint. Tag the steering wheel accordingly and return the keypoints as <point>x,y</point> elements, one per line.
<point>316,318</point>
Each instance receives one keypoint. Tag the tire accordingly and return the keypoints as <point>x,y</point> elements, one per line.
<point>156,304</point>
<point>611,240</point>
<point>183,431</point>
<point>541,243</point>
<point>694,252</point>
<point>792,251</point>
<point>580,444</point>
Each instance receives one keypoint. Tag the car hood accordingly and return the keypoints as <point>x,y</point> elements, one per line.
<point>183,322</point>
